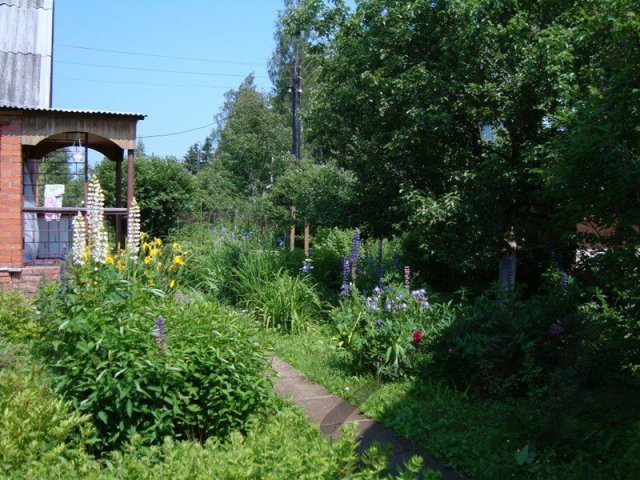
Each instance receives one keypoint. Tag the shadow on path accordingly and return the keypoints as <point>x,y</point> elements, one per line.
<point>331,412</point>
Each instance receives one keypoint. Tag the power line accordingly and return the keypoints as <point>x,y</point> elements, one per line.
<point>141,54</point>
<point>207,74</point>
<point>178,133</point>
<point>141,83</point>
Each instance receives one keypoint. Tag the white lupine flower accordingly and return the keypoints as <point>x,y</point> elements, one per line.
<point>133,230</point>
<point>79,240</point>
<point>98,243</point>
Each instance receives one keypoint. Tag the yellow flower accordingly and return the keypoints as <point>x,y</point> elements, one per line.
<point>147,260</point>
<point>159,265</point>
<point>109,260</point>
<point>143,235</point>
<point>178,260</point>
<point>154,251</point>
<point>176,246</point>
<point>157,242</point>
<point>172,283</point>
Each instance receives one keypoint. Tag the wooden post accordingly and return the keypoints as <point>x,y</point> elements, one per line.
<point>306,240</point>
<point>292,237</point>
<point>119,241</point>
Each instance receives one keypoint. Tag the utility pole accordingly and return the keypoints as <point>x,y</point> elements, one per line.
<point>295,95</point>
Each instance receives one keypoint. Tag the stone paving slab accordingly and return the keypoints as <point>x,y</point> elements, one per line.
<point>331,412</point>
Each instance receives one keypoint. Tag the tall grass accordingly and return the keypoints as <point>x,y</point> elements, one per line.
<point>278,299</point>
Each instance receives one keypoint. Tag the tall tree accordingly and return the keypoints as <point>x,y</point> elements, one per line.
<point>253,142</point>
<point>404,90</point>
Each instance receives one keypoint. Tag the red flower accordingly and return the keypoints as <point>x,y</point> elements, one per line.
<point>417,336</point>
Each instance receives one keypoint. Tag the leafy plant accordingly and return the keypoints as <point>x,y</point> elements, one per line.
<point>195,374</point>
<point>17,318</point>
<point>389,330</point>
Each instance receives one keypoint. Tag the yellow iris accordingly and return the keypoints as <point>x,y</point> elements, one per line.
<point>172,283</point>
<point>147,260</point>
<point>178,260</point>
<point>176,246</point>
<point>157,242</point>
<point>109,260</point>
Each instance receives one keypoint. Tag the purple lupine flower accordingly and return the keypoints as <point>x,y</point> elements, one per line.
<point>376,291</point>
<point>407,275</point>
<point>355,251</point>
<point>556,329</point>
<point>379,323</point>
<point>346,269</point>
<point>388,306</point>
<point>161,334</point>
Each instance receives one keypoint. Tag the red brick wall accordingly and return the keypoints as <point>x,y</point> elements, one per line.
<point>10,191</point>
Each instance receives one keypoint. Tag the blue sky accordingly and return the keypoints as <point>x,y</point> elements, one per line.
<point>235,35</point>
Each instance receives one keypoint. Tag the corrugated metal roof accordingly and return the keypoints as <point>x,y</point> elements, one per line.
<point>26,47</point>
<point>26,30</point>
<point>46,4</point>
<point>18,70</point>
<point>70,110</point>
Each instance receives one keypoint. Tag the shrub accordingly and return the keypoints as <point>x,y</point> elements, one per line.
<point>516,345</point>
<point>164,189</point>
<point>35,425</point>
<point>202,376</point>
<point>17,319</point>
<point>388,331</point>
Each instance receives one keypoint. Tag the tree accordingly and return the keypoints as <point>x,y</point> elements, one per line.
<point>199,155</point>
<point>253,140</point>
<point>322,194</point>
<point>403,92</point>
<point>596,173</point>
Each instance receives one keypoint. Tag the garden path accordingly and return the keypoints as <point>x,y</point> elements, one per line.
<point>330,412</point>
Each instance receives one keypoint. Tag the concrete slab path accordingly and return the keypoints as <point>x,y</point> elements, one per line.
<point>330,412</point>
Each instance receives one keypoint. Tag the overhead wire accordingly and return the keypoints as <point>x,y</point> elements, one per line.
<point>184,72</point>
<point>141,54</point>
<point>122,82</point>
<point>178,133</point>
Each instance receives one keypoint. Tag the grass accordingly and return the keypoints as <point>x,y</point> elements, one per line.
<point>484,439</point>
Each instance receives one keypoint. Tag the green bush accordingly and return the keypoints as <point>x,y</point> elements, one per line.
<point>164,189</point>
<point>204,376</point>
<point>390,330</point>
<point>514,346</point>
<point>275,297</point>
<point>17,320</point>
<point>35,425</point>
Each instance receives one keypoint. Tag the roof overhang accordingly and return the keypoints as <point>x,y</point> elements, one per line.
<point>45,130</point>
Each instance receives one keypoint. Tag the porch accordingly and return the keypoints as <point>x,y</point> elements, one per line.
<point>43,186</point>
